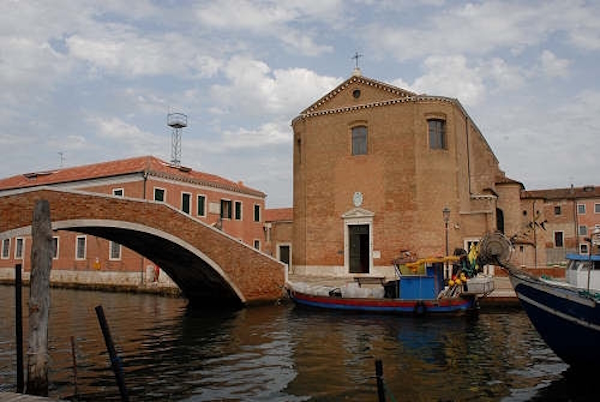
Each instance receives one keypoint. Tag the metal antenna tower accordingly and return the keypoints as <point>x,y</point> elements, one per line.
<point>176,121</point>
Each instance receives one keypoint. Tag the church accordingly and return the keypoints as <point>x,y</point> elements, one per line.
<point>380,172</point>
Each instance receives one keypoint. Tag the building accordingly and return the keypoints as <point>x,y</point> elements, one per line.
<point>232,207</point>
<point>565,220</point>
<point>376,166</point>
<point>278,233</point>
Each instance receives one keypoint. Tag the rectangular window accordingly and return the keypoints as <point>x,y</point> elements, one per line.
<point>437,133</point>
<point>201,205</point>
<point>558,239</point>
<point>19,248</point>
<point>359,140</point>
<point>186,200</point>
<point>583,230</point>
<point>115,251</point>
<point>557,210</point>
<point>581,209</point>
<point>55,247</point>
<point>257,244</point>
<point>5,249</point>
<point>226,209</point>
<point>597,208</point>
<point>80,247</point>
<point>583,248</point>
<point>118,192</point>
<point>256,213</point>
<point>238,210</point>
<point>159,194</point>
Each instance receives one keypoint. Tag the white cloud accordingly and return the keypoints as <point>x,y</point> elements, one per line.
<point>505,77</point>
<point>255,89</point>
<point>279,20</point>
<point>552,66</point>
<point>272,133</point>
<point>115,132</point>
<point>121,50</point>
<point>450,76</point>
<point>481,28</point>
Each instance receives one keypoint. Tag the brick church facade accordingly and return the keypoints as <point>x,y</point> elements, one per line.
<point>374,168</point>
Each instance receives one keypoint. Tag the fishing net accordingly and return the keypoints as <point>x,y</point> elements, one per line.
<point>494,248</point>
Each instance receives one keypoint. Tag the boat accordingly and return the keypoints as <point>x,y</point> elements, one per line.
<point>419,288</point>
<point>566,314</point>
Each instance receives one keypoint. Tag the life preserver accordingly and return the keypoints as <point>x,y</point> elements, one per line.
<point>420,308</point>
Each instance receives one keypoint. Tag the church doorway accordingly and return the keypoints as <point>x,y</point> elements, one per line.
<point>359,249</point>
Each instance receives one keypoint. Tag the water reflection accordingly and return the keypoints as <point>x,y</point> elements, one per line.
<point>281,353</point>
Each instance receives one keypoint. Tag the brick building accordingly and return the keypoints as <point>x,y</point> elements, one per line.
<point>374,168</point>
<point>564,220</point>
<point>232,207</point>
<point>278,233</point>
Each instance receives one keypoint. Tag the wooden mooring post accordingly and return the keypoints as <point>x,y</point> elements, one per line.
<point>379,376</point>
<point>114,358</point>
<point>39,299</point>
<point>19,327</point>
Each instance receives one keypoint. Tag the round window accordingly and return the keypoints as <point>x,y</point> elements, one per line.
<point>356,93</point>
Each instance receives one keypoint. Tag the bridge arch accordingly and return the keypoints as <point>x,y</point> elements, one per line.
<point>203,261</point>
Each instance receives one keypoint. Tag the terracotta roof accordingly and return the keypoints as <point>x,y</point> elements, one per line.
<point>564,193</point>
<point>143,164</point>
<point>506,180</point>
<point>279,215</point>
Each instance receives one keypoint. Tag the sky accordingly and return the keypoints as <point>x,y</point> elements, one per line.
<point>92,81</point>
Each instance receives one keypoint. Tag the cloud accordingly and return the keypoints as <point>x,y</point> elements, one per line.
<point>552,66</point>
<point>115,132</point>
<point>122,50</point>
<point>272,133</point>
<point>482,28</point>
<point>284,21</point>
<point>450,76</point>
<point>254,89</point>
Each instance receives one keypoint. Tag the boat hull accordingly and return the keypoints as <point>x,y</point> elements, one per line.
<point>567,320</point>
<point>455,305</point>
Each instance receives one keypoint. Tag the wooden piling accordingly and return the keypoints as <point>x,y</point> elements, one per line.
<point>19,327</point>
<point>74,354</point>
<point>379,376</point>
<point>114,358</point>
<point>39,300</point>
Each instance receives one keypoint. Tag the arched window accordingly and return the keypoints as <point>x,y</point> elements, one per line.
<point>500,220</point>
<point>437,134</point>
<point>359,140</point>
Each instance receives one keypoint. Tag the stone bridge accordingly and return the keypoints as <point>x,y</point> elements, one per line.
<point>204,262</point>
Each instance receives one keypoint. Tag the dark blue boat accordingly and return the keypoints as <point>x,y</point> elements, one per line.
<point>566,314</point>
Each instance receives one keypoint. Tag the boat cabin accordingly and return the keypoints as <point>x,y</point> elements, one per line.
<point>582,267</point>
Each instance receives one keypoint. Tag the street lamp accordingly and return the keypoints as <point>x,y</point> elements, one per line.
<point>446,215</point>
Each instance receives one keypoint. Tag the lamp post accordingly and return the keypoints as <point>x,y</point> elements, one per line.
<point>446,215</point>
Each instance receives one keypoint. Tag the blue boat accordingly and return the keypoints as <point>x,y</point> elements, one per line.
<point>565,314</point>
<point>419,289</point>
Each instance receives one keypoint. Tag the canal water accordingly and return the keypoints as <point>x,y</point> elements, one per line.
<point>284,353</point>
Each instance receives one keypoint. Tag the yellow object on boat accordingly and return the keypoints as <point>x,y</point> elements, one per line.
<point>418,267</point>
<point>431,260</point>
